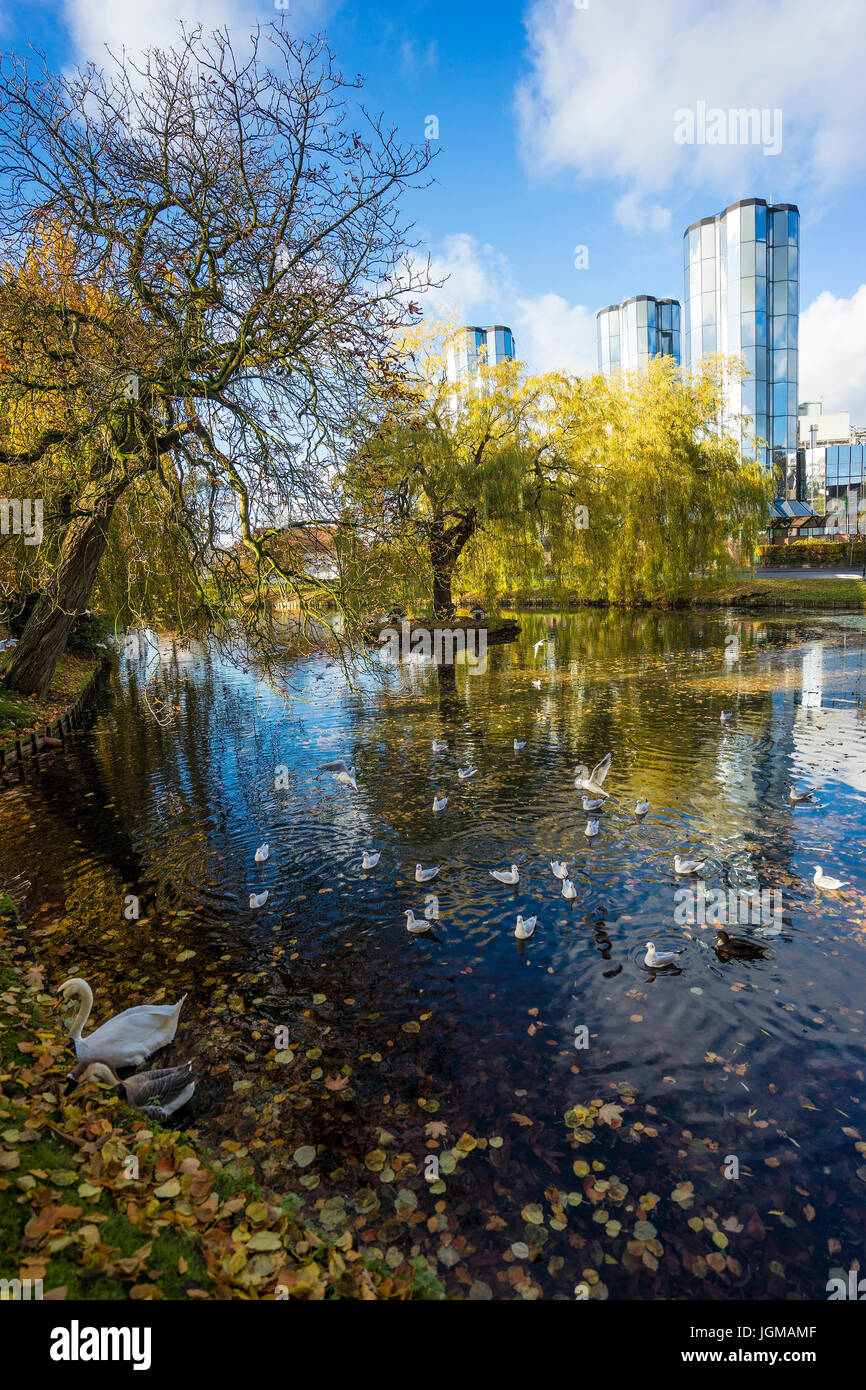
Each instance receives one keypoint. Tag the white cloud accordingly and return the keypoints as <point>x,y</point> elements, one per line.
<point>605,82</point>
<point>833,353</point>
<point>93,24</point>
<point>480,288</point>
<point>636,215</point>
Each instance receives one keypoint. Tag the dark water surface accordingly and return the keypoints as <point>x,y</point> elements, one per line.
<point>606,1164</point>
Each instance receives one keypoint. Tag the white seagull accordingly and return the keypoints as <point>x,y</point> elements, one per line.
<point>687,866</point>
<point>592,803</point>
<point>439,802</point>
<point>559,867</point>
<point>506,875</point>
<point>725,715</point>
<point>341,773</point>
<point>591,781</point>
<point>414,925</point>
<point>464,773</point>
<point>591,829</point>
<point>655,958</point>
<point>568,889</point>
<point>371,858</point>
<point>518,745</point>
<point>537,684</point>
<point>796,797</point>
<point>440,745</point>
<point>262,853</point>
<point>525,927</point>
<point>642,806</point>
<point>423,875</point>
<point>258,899</point>
<point>822,880</point>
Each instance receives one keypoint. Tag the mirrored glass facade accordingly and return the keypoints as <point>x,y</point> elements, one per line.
<point>630,334</point>
<point>742,297</point>
<point>474,346</point>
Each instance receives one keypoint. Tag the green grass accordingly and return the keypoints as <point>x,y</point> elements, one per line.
<point>806,591</point>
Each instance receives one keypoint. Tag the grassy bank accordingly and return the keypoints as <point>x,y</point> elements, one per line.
<point>804,591</point>
<point>21,714</point>
<point>74,1214</point>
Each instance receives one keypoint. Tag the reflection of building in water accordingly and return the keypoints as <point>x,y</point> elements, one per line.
<point>813,670</point>
<point>834,682</point>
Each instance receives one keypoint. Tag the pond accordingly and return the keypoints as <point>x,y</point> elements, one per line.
<point>543,1118</point>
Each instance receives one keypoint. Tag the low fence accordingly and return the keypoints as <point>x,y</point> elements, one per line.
<point>33,746</point>
<point>813,554</point>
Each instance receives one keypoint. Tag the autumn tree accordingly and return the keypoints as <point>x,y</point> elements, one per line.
<point>204,281</point>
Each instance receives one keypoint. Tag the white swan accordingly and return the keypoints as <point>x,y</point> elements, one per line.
<point>509,876</point>
<point>560,868</point>
<point>525,927</point>
<point>158,1093</point>
<point>687,866</point>
<point>262,853</point>
<point>370,858</point>
<point>568,889</point>
<point>414,925</point>
<point>831,885</point>
<point>439,802</point>
<point>654,958</point>
<point>126,1040</point>
<point>423,875</point>
<point>258,899</point>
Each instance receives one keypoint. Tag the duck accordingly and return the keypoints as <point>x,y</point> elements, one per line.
<point>414,925</point>
<point>258,899</point>
<point>439,802</point>
<point>592,781</point>
<point>126,1040</point>
<point>423,875</point>
<point>525,927</point>
<point>509,876</point>
<point>156,1093</point>
<point>654,959</point>
<point>797,798</point>
<point>568,889</point>
<point>262,853</point>
<point>687,866</point>
<point>738,946</point>
<point>641,806</point>
<point>518,744</point>
<point>370,858</point>
<point>466,772</point>
<point>440,745</point>
<point>560,868</point>
<point>825,881</point>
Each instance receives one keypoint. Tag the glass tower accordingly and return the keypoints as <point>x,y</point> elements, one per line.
<point>473,346</point>
<point>630,334</point>
<point>742,297</point>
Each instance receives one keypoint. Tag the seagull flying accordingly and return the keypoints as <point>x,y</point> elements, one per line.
<point>341,773</point>
<point>540,643</point>
<point>591,781</point>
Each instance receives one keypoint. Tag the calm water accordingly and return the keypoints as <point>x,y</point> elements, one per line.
<point>460,1044</point>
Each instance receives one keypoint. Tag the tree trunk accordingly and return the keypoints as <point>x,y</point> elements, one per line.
<point>44,639</point>
<point>445,545</point>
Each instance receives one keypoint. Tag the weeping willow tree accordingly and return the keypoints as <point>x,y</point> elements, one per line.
<point>639,485</point>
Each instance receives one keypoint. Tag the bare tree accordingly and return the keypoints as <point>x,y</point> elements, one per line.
<point>205,274</point>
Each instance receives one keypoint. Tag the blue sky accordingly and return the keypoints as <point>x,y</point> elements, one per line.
<point>556,124</point>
